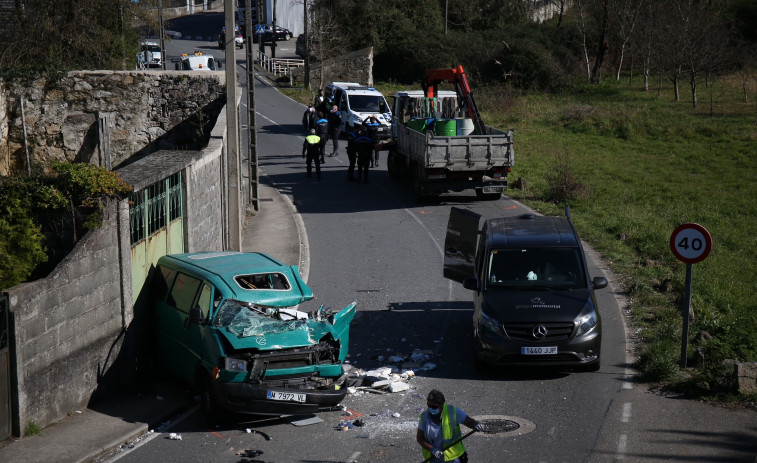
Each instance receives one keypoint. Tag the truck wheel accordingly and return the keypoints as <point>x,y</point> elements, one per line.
<point>418,191</point>
<point>488,196</point>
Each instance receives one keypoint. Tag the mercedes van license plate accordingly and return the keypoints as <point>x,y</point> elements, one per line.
<point>538,350</point>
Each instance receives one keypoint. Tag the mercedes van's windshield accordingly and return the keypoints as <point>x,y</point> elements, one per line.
<point>558,268</point>
<point>368,104</point>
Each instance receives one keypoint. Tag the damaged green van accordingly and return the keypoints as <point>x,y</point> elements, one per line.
<point>227,322</point>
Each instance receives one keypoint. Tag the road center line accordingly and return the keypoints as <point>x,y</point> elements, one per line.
<point>626,416</point>
<point>622,442</point>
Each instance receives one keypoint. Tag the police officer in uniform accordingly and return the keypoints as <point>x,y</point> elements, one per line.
<point>364,146</point>
<point>352,135</point>
<point>439,426</point>
<point>335,127</point>
<point>322,130</point>
<point>371,129</point>
<point>312,147</point>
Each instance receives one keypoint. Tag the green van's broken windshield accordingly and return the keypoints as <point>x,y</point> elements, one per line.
<point>246,320</point>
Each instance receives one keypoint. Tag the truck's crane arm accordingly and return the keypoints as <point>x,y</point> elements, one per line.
<point>456,77</point>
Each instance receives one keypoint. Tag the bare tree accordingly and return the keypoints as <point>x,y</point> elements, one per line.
<point>44,35</point>
<point>582,27</point>
<point>645,43</point>
<point>626,17</point>
<point>325,37</point>
<point>705,45</point>
<point>604,43</point>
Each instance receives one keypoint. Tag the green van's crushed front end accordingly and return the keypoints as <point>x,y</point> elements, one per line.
<point>228,323</point>
<point>275,363</point>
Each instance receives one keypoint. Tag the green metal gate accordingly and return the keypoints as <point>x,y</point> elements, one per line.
<point>157,226</point>
<point>5,370</point>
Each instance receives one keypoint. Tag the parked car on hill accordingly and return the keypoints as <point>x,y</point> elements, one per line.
<point>150,55</point>
<point>227,322</point>
<point>196,62</point>
<point>266,33</point>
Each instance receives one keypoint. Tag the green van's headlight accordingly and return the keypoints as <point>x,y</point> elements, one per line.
<point>234,364</point>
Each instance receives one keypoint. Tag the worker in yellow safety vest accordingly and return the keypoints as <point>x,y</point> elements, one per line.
<point>312,148</point>
<point>439,426</point>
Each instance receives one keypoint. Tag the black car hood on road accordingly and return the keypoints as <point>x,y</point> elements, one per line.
<point>527,305</point>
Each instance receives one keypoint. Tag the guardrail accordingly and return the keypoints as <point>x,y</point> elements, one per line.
<point>279,66</point>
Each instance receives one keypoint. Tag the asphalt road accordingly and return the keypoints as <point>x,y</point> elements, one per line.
<point>372,243</point>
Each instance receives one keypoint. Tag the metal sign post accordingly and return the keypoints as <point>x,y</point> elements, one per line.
<point>690,243</point>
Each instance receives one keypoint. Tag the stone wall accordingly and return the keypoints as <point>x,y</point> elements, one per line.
<point>352,67</point>
<point>144,109</point>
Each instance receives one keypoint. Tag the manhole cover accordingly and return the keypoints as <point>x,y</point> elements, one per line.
<point>504,426</point>
<point>496,425</point>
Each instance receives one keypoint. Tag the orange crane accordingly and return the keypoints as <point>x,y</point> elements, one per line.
<point>455,76</point>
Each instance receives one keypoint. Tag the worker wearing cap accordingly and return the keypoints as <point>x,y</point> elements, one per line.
<point>312,147</point>
<point>322,130</point>
<point>364,147</point>
<point>372,130</point>
<point>439,427</point>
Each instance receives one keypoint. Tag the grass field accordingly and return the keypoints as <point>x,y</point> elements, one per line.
<point>647,164</point>
<point>644,164</point>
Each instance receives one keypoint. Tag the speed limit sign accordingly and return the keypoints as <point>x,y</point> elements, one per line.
<point>691,243</point>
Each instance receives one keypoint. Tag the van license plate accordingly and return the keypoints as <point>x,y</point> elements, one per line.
<point>286,396</point>
<point>538,350</point>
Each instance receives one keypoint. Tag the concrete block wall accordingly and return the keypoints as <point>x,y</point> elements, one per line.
<point>205,194</point>
<point>65,324</point>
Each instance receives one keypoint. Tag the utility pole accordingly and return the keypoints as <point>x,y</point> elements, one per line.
<point>307,46</point>
<point>273,28</point>
<point>232,133</point>
<point>252,132</point>
<point>162,36</point>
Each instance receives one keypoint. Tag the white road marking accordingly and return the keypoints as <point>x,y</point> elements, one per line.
<point>622,441</point>
<point>150,436</point>
<point>626,416</point>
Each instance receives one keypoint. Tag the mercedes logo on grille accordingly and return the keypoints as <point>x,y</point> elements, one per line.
<point>539,331</point>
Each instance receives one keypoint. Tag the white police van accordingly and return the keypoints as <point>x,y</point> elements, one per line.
<point>357,102</point>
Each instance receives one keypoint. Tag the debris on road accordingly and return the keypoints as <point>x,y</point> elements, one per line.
<point>392,376</point>
<point>174,436</point>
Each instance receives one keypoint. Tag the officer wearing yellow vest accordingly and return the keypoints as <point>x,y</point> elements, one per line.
<point>312,147</point>
<point>439,426</point>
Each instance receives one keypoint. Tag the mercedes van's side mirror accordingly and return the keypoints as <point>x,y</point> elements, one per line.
<point>599,282</point>
<point>470,283</point>
<point>195,316</point>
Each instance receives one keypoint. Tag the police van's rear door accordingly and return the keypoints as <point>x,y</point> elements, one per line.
<point>460,244</point>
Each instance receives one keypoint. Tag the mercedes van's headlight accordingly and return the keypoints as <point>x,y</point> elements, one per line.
<point>234,364</point>
<point>587,323</point>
